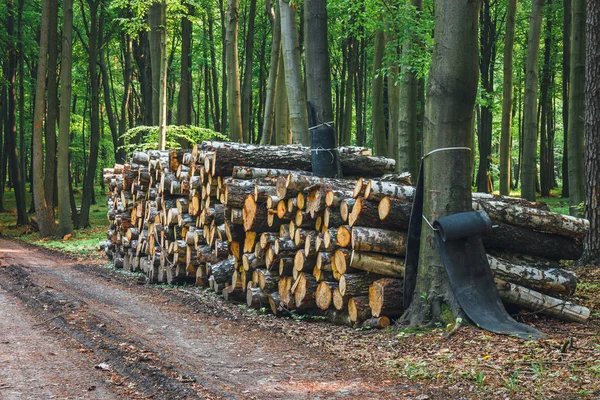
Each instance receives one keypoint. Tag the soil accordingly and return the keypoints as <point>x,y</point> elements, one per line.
<point>78,329</point>
<point>85,331</point>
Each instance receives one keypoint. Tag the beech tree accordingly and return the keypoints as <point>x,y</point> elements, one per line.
<point>293,72</point>
<point>451,93</point>
<point>591,244</point>
<point>43,211</point>
<point>233,74</point>
<point>577,108</point>
<point>528,164</point>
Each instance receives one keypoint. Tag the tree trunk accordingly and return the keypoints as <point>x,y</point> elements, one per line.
<point>507,102</point>
<point>215,81</point>
<point>233,74</point>
<point>65,224</point>
<point>51,109</point>
<point>577,109</point>
<point>377,108</point>
<point>486,67</point>
<point>546,112</point>
<point>407,118</point>
<point>293,72</point>
<point>591,244</point>
<point>452,89</point>
<point>247,85</point>
<point>318,70</point>
<point>162,75</point>
<point>88,182</point>
<point>528,167</point>
<point>352,62</point>
<point>126,99</point>
<point>274,76</point>
<point>566,68</point>
<point>393,92</point>
<point>141,52</point>
<point>10,125</point>
<point>44,214</point>
<point>154,47</point>
<point>184,101</point>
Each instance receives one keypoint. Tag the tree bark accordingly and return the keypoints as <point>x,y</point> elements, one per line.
<point>10,125</point>
<point>591,245</point>
<point>507,102</point>
<point>44,214</point>
<point>51,109</point>
<point>233,74</point>
<point>271,93</point>
<point>293,72</point>
<point>566,68</point>
<point>247,85</point>
<point>88,183</point>
<point>184,101</point>
<point>318,74</point>
<point>452,88</point>
<point>528,163</point>
<point>377,108</point>
<point>65,224</point>
<point>577,109</point>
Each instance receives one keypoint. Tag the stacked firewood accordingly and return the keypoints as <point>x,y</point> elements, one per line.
<point>222,216</point>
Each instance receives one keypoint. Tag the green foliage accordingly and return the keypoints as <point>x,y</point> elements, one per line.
<point>143,138</point>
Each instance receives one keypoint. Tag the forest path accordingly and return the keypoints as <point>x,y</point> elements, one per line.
<point>161,342</point>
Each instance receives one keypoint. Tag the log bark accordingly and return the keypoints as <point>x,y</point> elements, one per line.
<point>385,297</point>
<point>366,213</point>
<point>323,294</point>
<point>539,303</point>
<point>375,190</point>
<point>356,284</point>
<point>358,309</point>
<point>378,264</point>
<point>378,240</point>
<point>256,298</point>
<point>228,155</point>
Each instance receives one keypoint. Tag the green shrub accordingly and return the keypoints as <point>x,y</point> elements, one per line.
<point>143,138</point>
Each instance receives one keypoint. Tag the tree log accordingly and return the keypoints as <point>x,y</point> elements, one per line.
<point>540,303</point>
<point>256,298</point>
<point>377,264</point>
<point>323,294</point>
<point>551,281</point>
<point>356,284</point>
<point>385,297</point>
<point>358,309</point>
<point>378,240</point>
<point>366,213</point>
<point>376,190</point>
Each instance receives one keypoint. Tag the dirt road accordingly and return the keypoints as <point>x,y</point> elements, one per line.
<point>71,330</point>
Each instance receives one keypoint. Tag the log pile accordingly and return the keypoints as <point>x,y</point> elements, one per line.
<point>222,216</point>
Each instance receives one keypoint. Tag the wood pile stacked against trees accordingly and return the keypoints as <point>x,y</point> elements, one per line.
<point>221,216</point>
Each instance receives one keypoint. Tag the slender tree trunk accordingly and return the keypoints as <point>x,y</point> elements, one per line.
<point>407,118</point>
<point>141,53</point>
<point>271,95</point>
<point>10,124</point>
<point>233,76</point>
<point>352,62</point>
<point>126,99</point>
<point>112,118</point>
<point>162,80</point>
<point>377,107</point>
<point>215,80</point>
<point>566,67</point>
<point>318,69</point>
<point>507,101</point>
<point>591,245</point>
<point>546,111</point>
<point>393,92</point>
<point>3,118</point>
<point>44,214</point>
<point>224,64</point>
<point>88,181</point>
<point>51,109</point>
<point>65,224</point>
<point>184,101</point>
<point>451,92</point>
<point>247,85</point>
<point>154,47</point>
<point>487,27</point>
<point>528,167</point>
<point>282,114</point>
<point>577,109</point>
<point>21,47</point>
<point>293,72</point>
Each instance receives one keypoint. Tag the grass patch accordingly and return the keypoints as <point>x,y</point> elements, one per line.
<point>83,243</point>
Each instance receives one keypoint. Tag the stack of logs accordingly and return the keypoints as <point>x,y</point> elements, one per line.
<point>283,240</point>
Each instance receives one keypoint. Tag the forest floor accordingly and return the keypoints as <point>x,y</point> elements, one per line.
<point>71,326</point>
<point>76,328</point>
